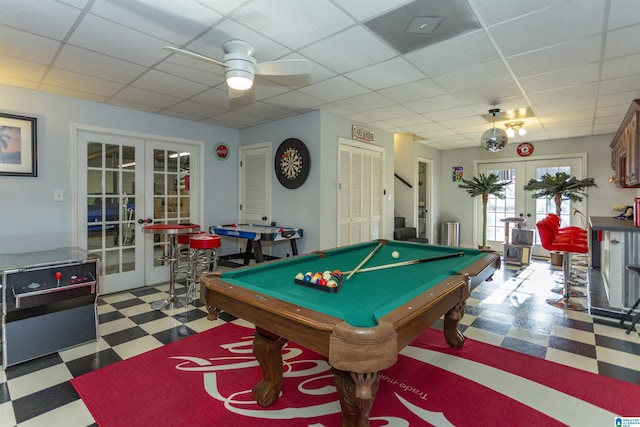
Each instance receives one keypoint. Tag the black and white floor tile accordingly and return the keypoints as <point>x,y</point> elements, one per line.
<point>509,311</point>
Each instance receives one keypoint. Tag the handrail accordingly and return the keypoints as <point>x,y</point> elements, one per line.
<point>405,182</point>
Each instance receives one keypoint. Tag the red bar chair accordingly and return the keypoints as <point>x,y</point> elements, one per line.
<point>568,245</point>
<point>183,252</point>
<point>578,277</point>
<point>202,258</point>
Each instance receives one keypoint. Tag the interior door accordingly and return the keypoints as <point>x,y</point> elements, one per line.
<point>109,189</point>
<point>170,199</point>
<point>519,203</point>
<point>123,182</point>
<point>424,192</point>
<point>359,193</point>
<point>255,184</point>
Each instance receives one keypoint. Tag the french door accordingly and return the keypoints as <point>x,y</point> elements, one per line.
<point>519,203</point>
<point>123,183</point>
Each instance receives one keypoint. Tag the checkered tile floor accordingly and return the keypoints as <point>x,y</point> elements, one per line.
<point>509,311</point>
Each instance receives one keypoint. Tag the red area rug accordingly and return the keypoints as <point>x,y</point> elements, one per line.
<point>206,380</point>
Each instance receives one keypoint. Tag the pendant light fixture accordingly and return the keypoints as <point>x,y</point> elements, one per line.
<point>494,139</point>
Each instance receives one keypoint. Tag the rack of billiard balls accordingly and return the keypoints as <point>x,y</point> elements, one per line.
<point>328,281</point>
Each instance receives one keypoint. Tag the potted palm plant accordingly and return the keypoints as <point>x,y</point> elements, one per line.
<point>485,186</point>
<point>558,187</point>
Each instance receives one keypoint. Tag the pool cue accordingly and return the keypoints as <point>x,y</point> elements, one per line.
<point>404,263</point>
<point>364,261</point>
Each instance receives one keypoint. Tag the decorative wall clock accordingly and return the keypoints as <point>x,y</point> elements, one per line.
<point>525,149</point>
<point>292,163</point>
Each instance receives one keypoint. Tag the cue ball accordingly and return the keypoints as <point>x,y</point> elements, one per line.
<point>395,254</point>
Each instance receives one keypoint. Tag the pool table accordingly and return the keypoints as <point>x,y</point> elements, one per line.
<point>362,327</point>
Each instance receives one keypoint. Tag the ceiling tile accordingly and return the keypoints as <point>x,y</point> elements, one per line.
<point>564,22</point>
<point>349,50</point>
<point>195,109</point>
<point>35,17</point>
<point>562,78</point>
<point>80,82</point>
<point>84,61</point>
<point>368,101</point>
<point>157,81</point>
<point>147,97</point>
<point>115,40</point>
<point>619,42</point>
<point>27,46</point>
<point>273,19</point>
<point>621,67</point>
<point>474,76</point>
<point>27,70</point>
<point>436,103</point>
<point>559,57</point>
<point>393,72</point>
<point>413,91</point>
<point>173,21</point>
<point>334,89</point>
<point>470,48</point>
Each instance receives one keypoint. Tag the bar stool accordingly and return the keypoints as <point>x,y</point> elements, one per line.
<point>629,313</point>
<point>202,258</point>
<point>568,245</point>
<point>183,269</point>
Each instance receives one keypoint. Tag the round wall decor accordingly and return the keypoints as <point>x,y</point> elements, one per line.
<point>525,149</point>
<point>292,163</point>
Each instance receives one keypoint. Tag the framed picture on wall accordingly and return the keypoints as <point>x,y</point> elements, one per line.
<point>18,144</point>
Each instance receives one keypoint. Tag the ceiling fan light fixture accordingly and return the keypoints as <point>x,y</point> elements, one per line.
<point>239,82</point>
<point>510,132</point>
<point>522,131</point>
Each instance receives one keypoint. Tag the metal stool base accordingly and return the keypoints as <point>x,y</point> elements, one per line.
<point>168,304</point>
<point>572,292</point>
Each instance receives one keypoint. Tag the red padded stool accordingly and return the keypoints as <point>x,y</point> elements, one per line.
<point>568,245</point>
<point>202,258</point>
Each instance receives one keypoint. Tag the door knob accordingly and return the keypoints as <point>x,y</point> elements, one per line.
<point>145,221</point>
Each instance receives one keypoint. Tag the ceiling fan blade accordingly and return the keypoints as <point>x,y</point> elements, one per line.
<point>193,55</point>
<point>283,67</point>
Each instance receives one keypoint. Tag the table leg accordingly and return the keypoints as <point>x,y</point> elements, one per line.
<point>247,252</point>
<point>294,247</point>
<point>257,251</point>
<point>172,301</point>
<point>452,335</point>
<point>357,393</point>
<point>267,348</point>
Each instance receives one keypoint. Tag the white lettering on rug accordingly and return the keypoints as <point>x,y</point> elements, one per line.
<point>544,399</point>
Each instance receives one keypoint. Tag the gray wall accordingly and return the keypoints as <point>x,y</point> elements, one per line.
<point>29,217</point>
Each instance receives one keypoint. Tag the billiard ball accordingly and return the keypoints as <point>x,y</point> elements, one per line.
<point>395,254</point>
<point>299,276</point>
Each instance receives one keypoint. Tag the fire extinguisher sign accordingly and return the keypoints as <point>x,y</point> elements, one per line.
<point>222,151</point>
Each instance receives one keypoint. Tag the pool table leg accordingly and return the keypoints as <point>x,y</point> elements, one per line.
<point>452,335</point>
<point>267,348</point>
<point>357,393</point>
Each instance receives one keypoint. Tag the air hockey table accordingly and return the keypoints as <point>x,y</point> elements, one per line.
<point>255,234</point>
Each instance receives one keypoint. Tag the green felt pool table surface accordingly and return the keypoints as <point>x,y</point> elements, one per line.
<point>366,296</point>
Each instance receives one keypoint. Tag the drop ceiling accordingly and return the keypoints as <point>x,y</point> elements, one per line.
<point>573,65</point>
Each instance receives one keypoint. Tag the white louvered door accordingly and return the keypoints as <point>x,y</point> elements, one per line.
<point>255,185</point>
<point>359,194</point>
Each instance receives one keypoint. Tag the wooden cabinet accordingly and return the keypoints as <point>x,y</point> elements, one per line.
<point>625,149</point>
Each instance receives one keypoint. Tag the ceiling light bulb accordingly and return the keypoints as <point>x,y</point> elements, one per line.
<point>510,132</point>
<point>239,82</point>
<point>522,131</point>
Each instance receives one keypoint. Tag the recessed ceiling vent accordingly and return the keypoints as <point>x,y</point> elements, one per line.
<point>422,23</point>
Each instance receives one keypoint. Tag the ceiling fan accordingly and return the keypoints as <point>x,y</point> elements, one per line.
<point>240,66</point>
